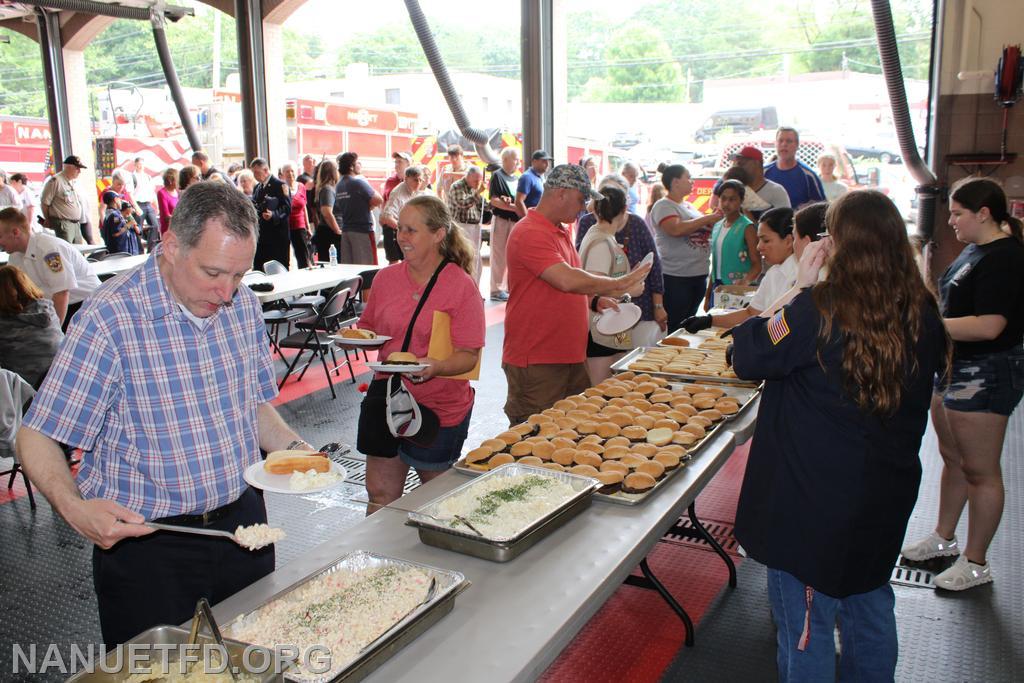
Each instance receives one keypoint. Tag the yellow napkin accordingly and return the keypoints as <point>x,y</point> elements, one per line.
<point>441,346</point>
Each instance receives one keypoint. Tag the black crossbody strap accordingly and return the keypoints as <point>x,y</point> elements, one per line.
<point>423,300</point>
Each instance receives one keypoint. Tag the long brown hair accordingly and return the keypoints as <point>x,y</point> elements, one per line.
<point>456,247</point>
<point>16,290</point>
<point>875,295</point>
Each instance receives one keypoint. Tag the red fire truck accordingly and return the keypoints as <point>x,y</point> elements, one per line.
<point>325,129</point>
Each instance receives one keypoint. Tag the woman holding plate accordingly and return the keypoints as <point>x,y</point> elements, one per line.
<point>433,283</point>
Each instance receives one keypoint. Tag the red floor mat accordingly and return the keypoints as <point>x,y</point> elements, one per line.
<point>635,635</point>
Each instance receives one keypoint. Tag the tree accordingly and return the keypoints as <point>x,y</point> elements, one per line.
<point>21,77</point>
<point>640,69</point>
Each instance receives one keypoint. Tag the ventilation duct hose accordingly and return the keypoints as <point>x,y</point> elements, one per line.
<point>928,190</point>
<point>171,76</point>
<point>485,145</point>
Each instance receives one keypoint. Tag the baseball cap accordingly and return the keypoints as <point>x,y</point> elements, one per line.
<point>748,152</point>
<point>402,155</point>
<point>541,154</point>
<point>74,161</point>
<point>573,177</point>
<point>109,196</point>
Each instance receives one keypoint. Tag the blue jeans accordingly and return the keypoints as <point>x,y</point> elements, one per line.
<point>867,627</point>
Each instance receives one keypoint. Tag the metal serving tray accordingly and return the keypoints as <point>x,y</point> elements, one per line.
<point>745,395</point>
<point>163,637</point>
<point>622,365</point>
<point>503,549</point>
<point>449,584</point>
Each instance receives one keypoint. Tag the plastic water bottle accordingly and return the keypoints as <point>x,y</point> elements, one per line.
<point>333,253</point>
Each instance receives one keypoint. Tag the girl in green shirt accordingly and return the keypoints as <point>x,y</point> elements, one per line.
<point>734,257</point>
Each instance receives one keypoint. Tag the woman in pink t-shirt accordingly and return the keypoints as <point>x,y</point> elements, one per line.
<point>167,199</point>
<point>428,238</point>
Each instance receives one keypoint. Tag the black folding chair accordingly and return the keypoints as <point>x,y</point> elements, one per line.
<point>316,337</point>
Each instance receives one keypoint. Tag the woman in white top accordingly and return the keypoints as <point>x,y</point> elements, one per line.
<point>781,239</point>
<point>600,253</point>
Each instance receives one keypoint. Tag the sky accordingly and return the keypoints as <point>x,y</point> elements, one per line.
<point>334,20</point>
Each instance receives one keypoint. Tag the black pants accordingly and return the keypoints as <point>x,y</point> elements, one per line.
<point>392,251</point>
<point>300,247</point>
<point>273,244</point>
<point>682,298</point>
<point>157,579</point>
<point>324,238</point>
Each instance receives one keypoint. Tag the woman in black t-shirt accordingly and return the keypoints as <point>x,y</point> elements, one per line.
<point>982,301</point>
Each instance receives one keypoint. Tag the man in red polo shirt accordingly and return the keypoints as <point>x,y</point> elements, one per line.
<point>549,298</point>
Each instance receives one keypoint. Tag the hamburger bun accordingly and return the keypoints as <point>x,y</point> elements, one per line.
<point>638,482</point>
<point>401,358</point>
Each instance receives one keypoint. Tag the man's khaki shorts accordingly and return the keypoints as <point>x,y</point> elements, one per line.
<point>536,387</point>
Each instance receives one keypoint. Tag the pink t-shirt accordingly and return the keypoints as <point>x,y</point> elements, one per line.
<point>390,310</point>
<point>542,324</point>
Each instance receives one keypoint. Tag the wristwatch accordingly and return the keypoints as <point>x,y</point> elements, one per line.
<point>658,305</point>
<point>298,442</point>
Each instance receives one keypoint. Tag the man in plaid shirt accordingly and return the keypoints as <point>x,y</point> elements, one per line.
<point>466,204</point>
<point>164,381</point>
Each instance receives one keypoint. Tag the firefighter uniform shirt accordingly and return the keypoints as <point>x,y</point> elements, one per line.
<point>828,488</point>
<point>54,265</point>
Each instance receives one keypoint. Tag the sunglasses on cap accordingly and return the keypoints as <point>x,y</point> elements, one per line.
<point>820,236</point>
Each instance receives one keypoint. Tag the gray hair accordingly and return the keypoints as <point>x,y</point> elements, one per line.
<point>205,202</point>
<point>473,170</point>
<point>414,171</point>
<point>616,180</point>
<point>508,152</point>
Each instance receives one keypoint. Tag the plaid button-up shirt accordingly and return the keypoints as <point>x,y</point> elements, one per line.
<point>464,204</point>
<point>164,411</point>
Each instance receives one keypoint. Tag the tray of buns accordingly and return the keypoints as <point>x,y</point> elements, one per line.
<point>510,508</point>
<point>687,363</point>
<point>632,433</point>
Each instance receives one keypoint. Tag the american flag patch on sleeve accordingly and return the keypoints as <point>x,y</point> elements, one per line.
<point>778,328</point>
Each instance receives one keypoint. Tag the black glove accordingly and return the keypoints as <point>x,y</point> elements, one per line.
<point>728,355</point>
<point>697,323</point>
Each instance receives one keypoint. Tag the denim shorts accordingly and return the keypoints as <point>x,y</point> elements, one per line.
<point>441,454</point>
<point>993,383</point>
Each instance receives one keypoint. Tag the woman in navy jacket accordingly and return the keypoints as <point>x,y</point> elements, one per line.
<point>833,473</point>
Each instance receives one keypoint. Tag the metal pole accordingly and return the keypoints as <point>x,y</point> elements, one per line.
<point>538,96</point>
<point>51,46</point>
<point>255,133</point>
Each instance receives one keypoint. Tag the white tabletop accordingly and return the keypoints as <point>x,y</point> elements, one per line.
<point>516,617</point>
<point>306,280</point>
<point>85,250</point>
<point>110,267</point>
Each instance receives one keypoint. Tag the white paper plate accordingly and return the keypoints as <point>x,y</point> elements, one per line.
<point>376,341</point>
<point>614,322</point>
<point>391,368</point>
<point>258,477</point>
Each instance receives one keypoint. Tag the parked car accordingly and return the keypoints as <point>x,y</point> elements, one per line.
<point>737,121</point>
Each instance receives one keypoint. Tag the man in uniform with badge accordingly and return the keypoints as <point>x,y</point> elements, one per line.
<point>53,264</point>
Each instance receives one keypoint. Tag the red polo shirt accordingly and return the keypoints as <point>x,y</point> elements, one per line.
<point>542,324</point>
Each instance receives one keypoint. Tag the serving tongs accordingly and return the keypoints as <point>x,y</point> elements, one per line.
<point>203,612</point>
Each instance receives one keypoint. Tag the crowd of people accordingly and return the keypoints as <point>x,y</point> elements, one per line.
<point>844,327</point>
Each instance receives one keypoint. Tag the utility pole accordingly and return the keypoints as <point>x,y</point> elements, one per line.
<point>216,49</point>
